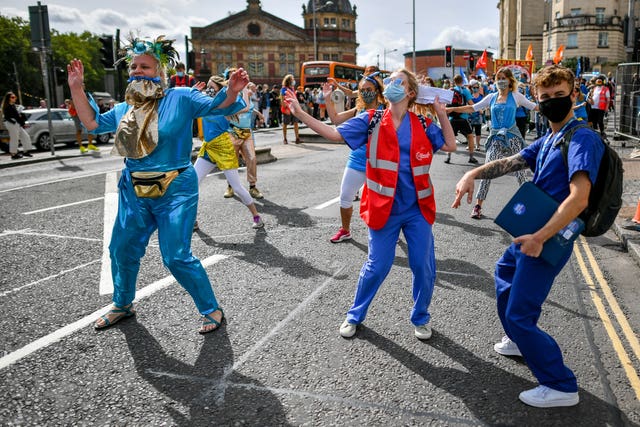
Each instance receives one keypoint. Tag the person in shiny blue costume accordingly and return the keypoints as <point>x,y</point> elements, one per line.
<point>172,214</point>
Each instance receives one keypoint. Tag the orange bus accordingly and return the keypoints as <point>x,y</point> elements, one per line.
<point>315,73</point>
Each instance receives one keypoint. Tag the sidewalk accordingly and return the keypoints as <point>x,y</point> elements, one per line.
<point>630,157</point>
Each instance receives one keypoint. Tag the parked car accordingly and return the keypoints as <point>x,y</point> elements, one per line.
<point>37,127</point>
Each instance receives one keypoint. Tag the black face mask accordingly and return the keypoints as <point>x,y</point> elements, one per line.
<point>556,109</point>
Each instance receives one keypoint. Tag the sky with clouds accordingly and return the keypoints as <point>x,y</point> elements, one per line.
<point>381,25</point>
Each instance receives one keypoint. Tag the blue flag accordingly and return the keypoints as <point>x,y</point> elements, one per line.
<point>464,77</point>
<point>481,73</point>
<point>579,68</point>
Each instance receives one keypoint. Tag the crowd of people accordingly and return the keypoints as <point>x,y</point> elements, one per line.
<point>393,135</point>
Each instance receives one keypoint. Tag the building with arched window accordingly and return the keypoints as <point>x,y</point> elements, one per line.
<point>269,47</point>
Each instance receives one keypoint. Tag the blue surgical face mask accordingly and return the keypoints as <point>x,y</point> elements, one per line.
<point>394,91</point>
<point>179,74</point>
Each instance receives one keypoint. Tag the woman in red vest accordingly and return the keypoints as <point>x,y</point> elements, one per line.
<point>397,195</point>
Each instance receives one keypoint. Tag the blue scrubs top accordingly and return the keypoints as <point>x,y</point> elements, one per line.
<point>355,132</point>
<point>550,172</point>
<point>358,157</point>
<point>176,112</point>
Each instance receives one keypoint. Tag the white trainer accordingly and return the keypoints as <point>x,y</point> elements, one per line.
<point>506,347</point>
<point>347,330</point>
<point>423,332</point>
<point>545,397</point>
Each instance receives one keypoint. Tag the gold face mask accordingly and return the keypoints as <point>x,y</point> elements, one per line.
<point>137,134</point>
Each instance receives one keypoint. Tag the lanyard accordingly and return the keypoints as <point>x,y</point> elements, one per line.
<point>549,142</point>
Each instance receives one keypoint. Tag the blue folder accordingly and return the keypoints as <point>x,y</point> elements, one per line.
<point>529,209</point>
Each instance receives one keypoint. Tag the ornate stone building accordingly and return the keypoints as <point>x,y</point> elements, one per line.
<point>269,47</point>
<point>587,29</point>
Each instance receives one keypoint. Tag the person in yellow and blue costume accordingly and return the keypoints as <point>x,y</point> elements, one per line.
<point>153,133</point>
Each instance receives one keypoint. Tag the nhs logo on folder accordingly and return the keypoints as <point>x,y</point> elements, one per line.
<point>528,210</point>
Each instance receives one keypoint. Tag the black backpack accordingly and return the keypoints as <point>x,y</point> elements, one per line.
<point>605,198</point>
<point>456,101</point>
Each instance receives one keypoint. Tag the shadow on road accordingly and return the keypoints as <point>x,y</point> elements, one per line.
<point>261,252</point>
<point>214,394</point>
<point>491,393</point>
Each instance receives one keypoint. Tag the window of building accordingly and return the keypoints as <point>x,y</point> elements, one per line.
<point>557,15</point>
<point>287,63</point>
<point>333,23</point>
<point>335,57</point>
<point>599,15</point>
<point>603,39</point>
<point>326,57</point>
<point>223,61</point>
<point>576,11</point>
<point>256,66</point>
<point>572,40</point>
<point>326,22</point>
<point>346,24</point>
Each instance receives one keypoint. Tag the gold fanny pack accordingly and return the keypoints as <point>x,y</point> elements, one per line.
<point>153,184</point>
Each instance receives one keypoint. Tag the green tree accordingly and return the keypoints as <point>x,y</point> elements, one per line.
<point>15,55</point>
<point>15,48</point>
<point>85,47</point>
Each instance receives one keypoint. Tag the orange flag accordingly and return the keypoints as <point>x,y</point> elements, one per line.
<point>557,58</point>
<point>482,61</point>
<point>529,56</point>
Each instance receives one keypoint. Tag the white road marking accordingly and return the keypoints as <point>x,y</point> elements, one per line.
<point>57,335</point>
<point>62,206</point>
<point>219,390</point>
<point>110,213</point>
<point>53,276</point>
<point>28,232</point>
<point>58,180</point>
<point>328,203</point>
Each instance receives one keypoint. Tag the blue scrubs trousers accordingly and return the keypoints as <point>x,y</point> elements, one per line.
<point>173,215</point>
<point>522,285</point>
<point>382,248</point>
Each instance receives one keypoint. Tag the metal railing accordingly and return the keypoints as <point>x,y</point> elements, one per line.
<point>626,114</point>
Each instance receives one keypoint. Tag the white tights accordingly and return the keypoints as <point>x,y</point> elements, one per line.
<point>204,167</point>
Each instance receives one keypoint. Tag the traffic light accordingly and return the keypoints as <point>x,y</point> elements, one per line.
<point>61,76</point>
<point>472,62</point>
<point>107,51</point>
<point>448,56</point>
<point>191,60</point>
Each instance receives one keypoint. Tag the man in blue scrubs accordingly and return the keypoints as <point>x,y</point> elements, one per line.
<point>523,280</point>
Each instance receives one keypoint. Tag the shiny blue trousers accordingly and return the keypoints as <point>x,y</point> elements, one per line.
<point>382,249</point>
<point>522,285</point>
<point>173,215</point>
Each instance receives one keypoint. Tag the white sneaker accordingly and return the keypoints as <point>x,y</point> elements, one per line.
<point>423,332</point>
<point>545,397</point>
<point>258,224</point>
<point>347,330</point>
<point>506,347</point>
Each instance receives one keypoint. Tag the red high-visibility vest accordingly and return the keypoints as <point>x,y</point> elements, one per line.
<point>383,155</point>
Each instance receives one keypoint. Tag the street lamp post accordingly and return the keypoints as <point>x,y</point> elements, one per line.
<point>315,37</point>
<point>384,57</point>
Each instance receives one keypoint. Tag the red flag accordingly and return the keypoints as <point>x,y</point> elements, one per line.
<point>482,61</point>
<point>529,56</point>
<point>557,58</point>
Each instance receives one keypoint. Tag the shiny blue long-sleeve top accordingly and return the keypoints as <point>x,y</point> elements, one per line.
<point>176,112</point>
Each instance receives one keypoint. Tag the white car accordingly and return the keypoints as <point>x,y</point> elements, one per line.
<point>37,126</point>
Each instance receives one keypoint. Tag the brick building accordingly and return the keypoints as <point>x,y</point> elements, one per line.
<point>269,47</point>
<point>431,62</point>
